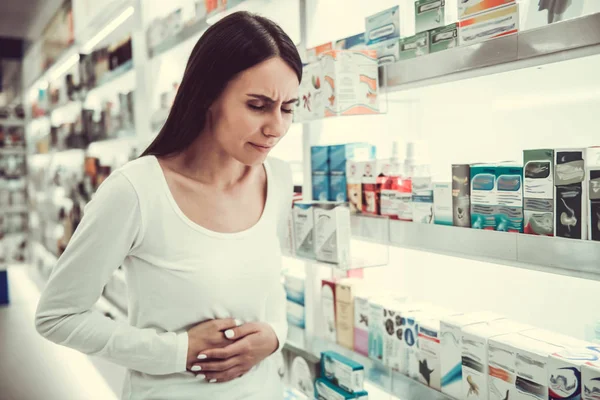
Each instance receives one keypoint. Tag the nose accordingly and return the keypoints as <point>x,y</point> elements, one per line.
<point>274,126</point>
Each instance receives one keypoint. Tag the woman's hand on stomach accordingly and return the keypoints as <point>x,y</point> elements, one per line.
<point>208,335</point>
<point>253,342</point>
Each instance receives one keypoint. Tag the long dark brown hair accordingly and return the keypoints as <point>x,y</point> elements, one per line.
<point>232,45</point>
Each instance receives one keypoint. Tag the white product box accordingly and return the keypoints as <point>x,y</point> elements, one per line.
<point>590,378</point>
<point>531,368</point>
<point>493,24</point>
<point>287,242</point>
<point>304,229</point>
<point>442,203</point>
<point>346,290</point>
<point>311,99</point>
<point>468,8</point>
<point>538,191</point>
<point>592,159</point>
<point>428,355</point>
<point>570,195</point>
<point>433,14</point>
<point>451,350</point>
<point>332,233</point>
<point>475,355</point>
<point>564,372</point>
<point>388,52</point>
<point>295,314</point>
<point>325,390</point>
<point>351,82</point>
<point>342,371</point>
<point>533,16</point>
<point>361,324</point>
<point>422,200</point>
<point>328,309</point>
<point>294,282</point>
<point>378,307</point>
<point>399,334</point>
<point>556,339</point>
<point>502,357</point>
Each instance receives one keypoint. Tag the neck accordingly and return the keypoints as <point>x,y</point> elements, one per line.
<point>206,162</point>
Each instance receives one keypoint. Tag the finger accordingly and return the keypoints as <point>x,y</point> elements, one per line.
<point>225,323</point>
<point>242,331</point>
<point>215,365</point>
<point>225,376</point>
<point>234,349</point>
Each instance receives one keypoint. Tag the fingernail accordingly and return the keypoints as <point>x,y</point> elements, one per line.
<point>202,357</point>
<point>229,334</point>
<point>238,322</point>
<point>200,377</point>
<point>212,381</point>
<point>196,368</point>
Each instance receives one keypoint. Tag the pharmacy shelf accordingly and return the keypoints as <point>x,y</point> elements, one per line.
<point>12,122</point>
<point>570,257</point>
<point>553,43</point>
<point>114,74</point>
<point>376,374</point>
<point>12,151</point>
<point>14,209</point>
<point>186,33</point>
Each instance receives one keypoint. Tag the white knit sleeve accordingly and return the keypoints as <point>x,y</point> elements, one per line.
<point>111,227</point>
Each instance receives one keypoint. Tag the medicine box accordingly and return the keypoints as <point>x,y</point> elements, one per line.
<point>489,25</point>
<point>538,192</point>
<point>342,371</point>
<point>325,390</point>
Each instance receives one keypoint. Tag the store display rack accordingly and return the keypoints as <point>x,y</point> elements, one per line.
<point>561,41</point>
<point>12,122</point>
<point>186,33</point>
<point>12,151</point>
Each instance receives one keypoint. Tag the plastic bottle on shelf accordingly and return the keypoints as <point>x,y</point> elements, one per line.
<point>390,187</point>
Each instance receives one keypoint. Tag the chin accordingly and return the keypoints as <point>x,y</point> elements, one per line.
<point>252,160</point>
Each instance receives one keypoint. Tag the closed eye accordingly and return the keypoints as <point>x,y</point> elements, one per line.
<point>262,108</point>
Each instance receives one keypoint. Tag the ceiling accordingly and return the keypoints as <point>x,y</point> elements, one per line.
<point>26,19</point>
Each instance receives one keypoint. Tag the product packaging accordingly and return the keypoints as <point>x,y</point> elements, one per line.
<point>400,334</point>
<point>361,324</point>
<point>294,284</point>
<point>346,289</point>
<point>355,42</point>
<point>325,390</point>
<point>461,195</point>
<point>428,354</point>
<point>304,229</point>
<point>288,246</point>
<point>296,314</point>
<point>483,196</point>
<point>556,339</point>
<point>414,46</point>
<point>351,82</point>
<point>489,25</point>
<point>590,378</point>
<point>475,355</point>
<point>509,197</point>
<point>388,52</point>
<point>339,156</point>
<point>593,179</point>
<point>311,101</point>
<point>570,194</point>
<point>442,203</point>
<point>374,176</point>
<point>354,176</point>
<point>343,372</point>
<point>320,172</point>
<point>451,348</point>
<point>332,233</point>
<point>468,8</point>
<point>328,302</point>
<point>383,26</point>
<point>564,372</point>
<point>443,38</point>
<point>433,14</point>
<point>303,373</point>
<point>376,327</point>
<point>321,184</point>
<point>422,200</point>
<point>538,192</point>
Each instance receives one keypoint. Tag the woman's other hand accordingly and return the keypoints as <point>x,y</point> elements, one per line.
<point>208,335</point>
<point>253,343</point>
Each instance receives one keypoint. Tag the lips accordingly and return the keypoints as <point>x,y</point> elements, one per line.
<point>261,148</point>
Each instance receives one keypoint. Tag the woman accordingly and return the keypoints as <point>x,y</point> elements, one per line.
<point>195,224</point>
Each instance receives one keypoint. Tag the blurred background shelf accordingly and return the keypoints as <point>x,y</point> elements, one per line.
<point>561,41</point>
<point>186,33</point>
<point>12,122</point>
<point>12,151</point>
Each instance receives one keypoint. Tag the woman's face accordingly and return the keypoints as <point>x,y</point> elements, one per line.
<point>255,111</point>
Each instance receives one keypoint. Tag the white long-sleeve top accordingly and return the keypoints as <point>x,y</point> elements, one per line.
<point>178,274</point>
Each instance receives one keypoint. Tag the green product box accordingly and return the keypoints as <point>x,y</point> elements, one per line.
<point>443,38</point>
<point>429,14</point>
<point>414,46</point>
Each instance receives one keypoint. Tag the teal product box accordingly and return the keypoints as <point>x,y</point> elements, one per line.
<point>384,25</point>
<point>509,196</point>
<point>538,192</point>
<point>429,14</point>
<point>340,154</point>
<point>414,46</point>
<point>388,52</point>
<point>356,42</point>
<point>325,390</point>
<point>338,187</point>
<point>483,196</point>
<point>442,203</point>
<point>342,371</point>
<point>320,183</point>
<point>295,314</point>
<point>376,316</point>
<point>319,159</point>
<point>422,200</point>
<point>443,38</point>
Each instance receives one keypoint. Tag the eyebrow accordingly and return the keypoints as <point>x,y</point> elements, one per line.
<point>270,100</point>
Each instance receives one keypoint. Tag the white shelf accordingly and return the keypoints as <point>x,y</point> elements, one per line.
<point>12,122</point>
<point>12,151</point>
<point>376,374</point>
<point>560,41</point>
<point>186,33</point>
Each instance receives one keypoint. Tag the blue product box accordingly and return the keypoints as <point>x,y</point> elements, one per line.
<point>342,371</point>
<point>325,390</point>
<point>340,154</point>
<point>320,183</point>
<point>356,42</point>
<point>319,159</point>
<point>338,188</point>
<point>384,25</point>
